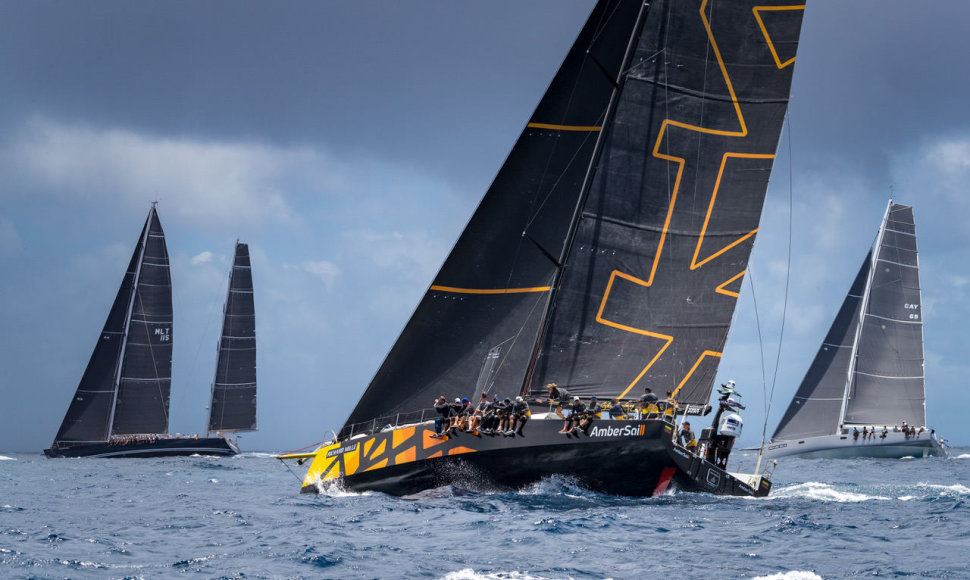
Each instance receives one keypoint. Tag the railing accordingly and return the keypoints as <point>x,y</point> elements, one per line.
<point>661,410</point>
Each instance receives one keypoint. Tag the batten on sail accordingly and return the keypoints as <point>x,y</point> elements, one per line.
<point>233,401</point>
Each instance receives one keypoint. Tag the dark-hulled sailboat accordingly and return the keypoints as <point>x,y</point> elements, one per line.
<point>864,395</point>
<point>121,406</point>
<point>607,257</point>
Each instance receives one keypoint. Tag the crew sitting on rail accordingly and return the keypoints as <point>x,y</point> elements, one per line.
<point>686,437</point>
<point>648,403</point>
<point>592,412</point>
<point>475,421</point>
<point>443,409</point>
<point>616,410</point>
<point>576,413</point>
<point>489,419</point>
<point>520,414</point>
<point>504,416</point>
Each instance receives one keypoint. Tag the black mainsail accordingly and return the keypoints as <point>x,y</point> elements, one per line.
<point>233,406</point>
<point>869,370</point>
<point>608,253</point>
<point>125,387</point>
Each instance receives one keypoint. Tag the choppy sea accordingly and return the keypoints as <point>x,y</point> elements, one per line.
<point>243,517</point>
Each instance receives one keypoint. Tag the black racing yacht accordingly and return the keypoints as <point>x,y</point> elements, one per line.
<point>607,257</point>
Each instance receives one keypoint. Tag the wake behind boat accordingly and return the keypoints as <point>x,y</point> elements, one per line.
<point>864,395</point>
<point>607,256</point>
<point>121,406</point>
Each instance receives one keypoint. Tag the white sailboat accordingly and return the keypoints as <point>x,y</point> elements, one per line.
<point>864,394</point>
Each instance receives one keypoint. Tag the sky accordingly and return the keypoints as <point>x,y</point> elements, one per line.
<point>348,144</point>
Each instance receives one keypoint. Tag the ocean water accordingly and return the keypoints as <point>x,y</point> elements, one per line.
<point>242,517</point>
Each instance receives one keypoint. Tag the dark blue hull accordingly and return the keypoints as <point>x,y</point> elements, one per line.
<point>215,446</point>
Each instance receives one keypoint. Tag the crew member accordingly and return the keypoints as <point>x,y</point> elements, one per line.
<point>504,411</point>
<point>443,409</point>
<point>686,437</point>
<point>575,414</point>
<point>616,410</point>
<point>476,418</point>
<point>556,396</point>
<point>520,415</point>
<point>592,412</point>
<point>648,403</point>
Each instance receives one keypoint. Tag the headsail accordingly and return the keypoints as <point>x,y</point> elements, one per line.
<point>129,349</point>
<point>233,405</point>
<point>815,409</point>
<point>636,190</point>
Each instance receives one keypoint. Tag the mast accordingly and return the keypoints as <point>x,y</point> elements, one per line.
<point>582,200</point>
<point>862,315</point>
<point>131,306</point>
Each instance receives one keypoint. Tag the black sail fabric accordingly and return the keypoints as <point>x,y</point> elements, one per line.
<point>817,405</point>
<point>887,385</point>
<point>146,371</point>
<point>89,414</point>
<point>493,288</point>
<point>659,109</point>
<point>653,277</point>
<point>233,406</point>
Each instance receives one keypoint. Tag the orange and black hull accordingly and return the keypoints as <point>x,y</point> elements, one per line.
<point>634,458</point>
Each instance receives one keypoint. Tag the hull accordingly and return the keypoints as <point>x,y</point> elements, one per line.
<point>160,448</point>
<point>894,446</point>
<point>634,458</point>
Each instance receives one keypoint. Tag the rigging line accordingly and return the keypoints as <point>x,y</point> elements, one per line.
<point>558,180</point>
<point>761,346</point>
<point>784,309</point>
<point>516,336</point>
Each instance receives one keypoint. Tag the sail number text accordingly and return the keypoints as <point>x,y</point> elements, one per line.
<point>163,334</point>
<point>912,315</point>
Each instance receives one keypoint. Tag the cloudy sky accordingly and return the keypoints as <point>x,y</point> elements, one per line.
<point>348,144</point>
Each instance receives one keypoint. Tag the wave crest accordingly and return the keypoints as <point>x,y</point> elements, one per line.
<point>824,492</point>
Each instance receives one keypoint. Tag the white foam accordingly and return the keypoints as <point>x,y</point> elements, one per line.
<point>469,574</point>
<point>5,458</point>
<point>213,480</point>
<point>955,489</point>
<point>963,456</point>
<point>824,492</point>
<point>793,575</point>
<point>333,489</point>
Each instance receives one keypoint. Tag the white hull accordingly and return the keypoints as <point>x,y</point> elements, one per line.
<point>893,446</point>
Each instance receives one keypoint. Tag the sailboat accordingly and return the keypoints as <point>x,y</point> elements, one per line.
<point>864,394</point>
<point>121,405</point>
<point>606,257</point>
